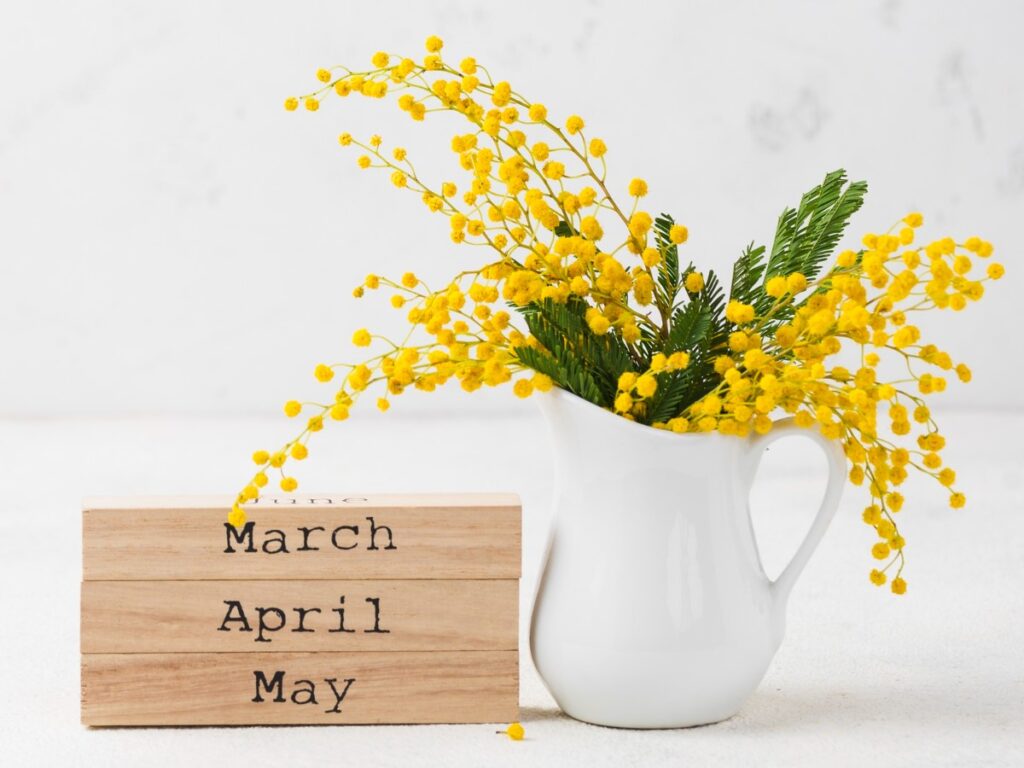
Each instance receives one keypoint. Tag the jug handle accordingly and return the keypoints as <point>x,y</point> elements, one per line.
<point>783,584</point>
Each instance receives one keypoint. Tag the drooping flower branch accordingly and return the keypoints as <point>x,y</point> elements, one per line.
<point>576,290</point>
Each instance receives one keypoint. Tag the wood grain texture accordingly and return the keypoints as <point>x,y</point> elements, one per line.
<point>186,616</point>
<point>437,536</point>
<point>219,688</point>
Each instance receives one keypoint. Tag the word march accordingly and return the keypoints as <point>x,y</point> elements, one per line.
<point>275,541</point>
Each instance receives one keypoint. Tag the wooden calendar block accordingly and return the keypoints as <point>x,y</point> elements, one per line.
<point>471,536</point>
<point>288,615</point>
<point>300,688</point>
<point>319,610</point>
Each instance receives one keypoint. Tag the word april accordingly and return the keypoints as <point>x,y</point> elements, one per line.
<point>273,619</point>
<point>274,541</point>
<point>303,691</point>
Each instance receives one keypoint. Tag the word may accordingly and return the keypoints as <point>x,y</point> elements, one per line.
<point>270,620</point>
<point>304,692</point>
<point>274,541</point>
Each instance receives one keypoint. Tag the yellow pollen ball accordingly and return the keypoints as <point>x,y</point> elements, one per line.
<point>323,372</point>
<point>796,283</point>
<point>638,188</point>
<point>678,234</point>
<point>542,382</point>
<point>646,385</point>
<point>236,517</point>
<point>651,257</point>
<point>523,388</point>
<point>736,312</point>
<point>599,324</point>
<point>776,286</point>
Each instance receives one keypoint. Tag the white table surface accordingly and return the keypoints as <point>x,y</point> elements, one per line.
<point>935,678</point>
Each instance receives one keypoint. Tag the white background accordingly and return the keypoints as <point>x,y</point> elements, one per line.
<point>173,242</point>
<point>177,252</point>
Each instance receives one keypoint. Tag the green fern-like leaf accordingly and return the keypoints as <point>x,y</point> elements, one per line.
<point>747,273</point>
<point>699,328</point>
<point>590,364</point>
<point>562,229</point>
<point>566,372</point>
<point>807,236</point>
<point>669,279</point>
<point>690,325</point>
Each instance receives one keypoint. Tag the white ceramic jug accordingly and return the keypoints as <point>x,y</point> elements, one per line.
<point>653,609</point>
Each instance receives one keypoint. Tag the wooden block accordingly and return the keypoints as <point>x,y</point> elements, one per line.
<point>457,536</point>
<point>299,688</point>
<point>320,610</point>
<point>264,616</point>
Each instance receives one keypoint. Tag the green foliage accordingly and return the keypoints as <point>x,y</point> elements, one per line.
<point>807,236</point>
<point>589,365</point>
<point>564,230</point>
<point>669,279</point>
<point>573,356</point>
<point>747,273</point>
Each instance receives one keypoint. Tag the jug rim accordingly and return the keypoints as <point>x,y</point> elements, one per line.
<point>557,394</point>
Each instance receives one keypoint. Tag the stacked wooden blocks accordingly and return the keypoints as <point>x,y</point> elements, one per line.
<point>358,609</point>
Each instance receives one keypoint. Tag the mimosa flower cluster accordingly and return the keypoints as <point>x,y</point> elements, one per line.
<point>578,290</point>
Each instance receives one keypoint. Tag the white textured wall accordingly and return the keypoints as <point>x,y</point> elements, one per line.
<point>172,240</point>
